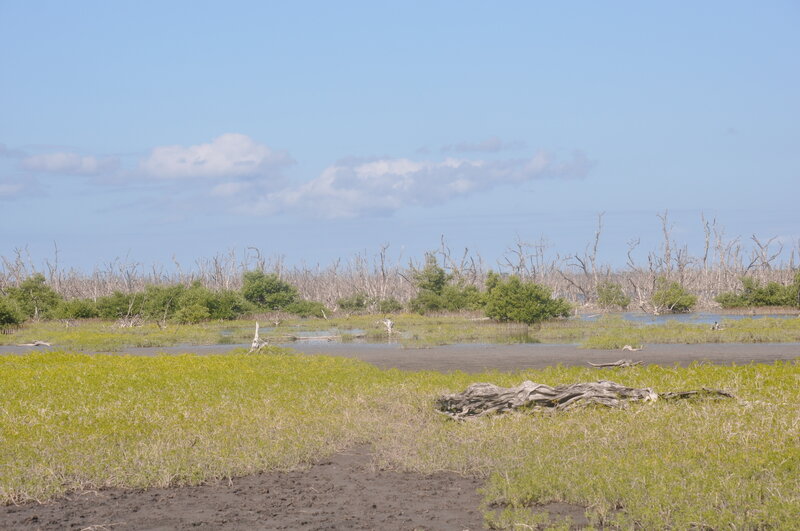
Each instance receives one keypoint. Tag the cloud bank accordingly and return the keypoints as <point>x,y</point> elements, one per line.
<point>490,145</point>
<point>228,156</point>
<point>357,187</point>
<point>248,176</point>
<point>69,164</point>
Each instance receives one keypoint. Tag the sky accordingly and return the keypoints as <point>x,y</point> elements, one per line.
<point>178,130</point>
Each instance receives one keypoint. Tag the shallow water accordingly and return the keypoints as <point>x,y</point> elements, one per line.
<point>690,318</point>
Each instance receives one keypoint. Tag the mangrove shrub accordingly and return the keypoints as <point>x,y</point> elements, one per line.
<point>672,297</point>
<point>10,314</point>
<point>267,291</point>
<point>523,302</point>
<point>35,298</point>
<point>754,294</point>
<point>438,291</point>
<point>610,295</point>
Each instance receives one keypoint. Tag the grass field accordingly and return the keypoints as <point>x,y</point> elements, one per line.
<point>77,421</point>
<point>609,332</point>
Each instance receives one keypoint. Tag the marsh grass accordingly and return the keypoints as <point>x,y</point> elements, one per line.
<point>76,421</point>
<point>615,332</point>
<point>106,336</point>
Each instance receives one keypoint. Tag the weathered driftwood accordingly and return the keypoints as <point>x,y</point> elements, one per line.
<point>481,399</point>
<point>485,398</point>
<point>258,343</point>
<point>620,363</point>
<point>36,343</point>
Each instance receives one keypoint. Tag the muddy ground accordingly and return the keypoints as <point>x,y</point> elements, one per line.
<point>347,491</point>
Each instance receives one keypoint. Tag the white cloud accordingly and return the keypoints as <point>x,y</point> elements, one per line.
<point>7,152</point>
<point>227,156</point>
<point>230,189</point>
<point>490,145</point>
<point>69,163</point>
<point>356,187</point>
<point>8,190</point>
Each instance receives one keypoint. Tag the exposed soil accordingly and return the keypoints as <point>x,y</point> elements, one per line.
<point>347,491</point>
<point>478,358</point>
<point>482,357</point>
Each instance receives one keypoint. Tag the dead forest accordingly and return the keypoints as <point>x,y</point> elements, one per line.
<point>717,268</point>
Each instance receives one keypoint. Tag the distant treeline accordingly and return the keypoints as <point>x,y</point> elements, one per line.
<point>727,273</point>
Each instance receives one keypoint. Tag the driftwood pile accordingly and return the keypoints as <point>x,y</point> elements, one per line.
<point>481,399</point>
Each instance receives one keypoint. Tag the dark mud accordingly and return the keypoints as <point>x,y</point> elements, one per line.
<point>482,357</point>
<point>345,491</point>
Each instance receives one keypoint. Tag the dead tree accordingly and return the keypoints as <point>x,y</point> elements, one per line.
<point>258,343</point>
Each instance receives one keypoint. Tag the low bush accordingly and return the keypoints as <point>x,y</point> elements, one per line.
<point>78,309</point>
<point>118,305</point>
<point>390,305</point>
<point>439,292</point>
<point>267,291</point>
<point>611,295</point>
<point>754,294</point>
<point>522,302</point>
<point>672,297</point>
<point>35,298</point>
<point>10,314</point>
<point>192,314</point>
<point>228,305</point>
<point>354,303</point>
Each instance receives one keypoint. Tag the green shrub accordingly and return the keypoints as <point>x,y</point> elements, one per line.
<point>456,298</point>
<point>523,302</point>
<point>192,314</point>
<point>672,297</point>
<point>430,281</point>
<point>610,295</point>
<point>78,309</point>
<point>307,309</point>
<point>267,291</point>
<point>390,305</point>
<point>119,305</point>
<point>161,302</point>
<point>437,293</point>
<point>228,305</point>
<point>10,314</point>
<point>431,277</point>
<point>754,294</point>
<point>354,303</point>
<point>35,298</point>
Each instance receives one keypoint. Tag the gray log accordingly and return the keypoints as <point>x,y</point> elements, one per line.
<point>481,399</point>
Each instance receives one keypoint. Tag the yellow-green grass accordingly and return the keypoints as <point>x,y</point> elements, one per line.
<point>72,421</point>
<point>97,335</point>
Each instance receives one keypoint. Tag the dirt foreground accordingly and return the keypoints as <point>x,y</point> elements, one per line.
<point>346,491</point>
<point>341,492</point>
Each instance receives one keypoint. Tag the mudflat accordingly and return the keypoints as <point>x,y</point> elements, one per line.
<point>481,357</point>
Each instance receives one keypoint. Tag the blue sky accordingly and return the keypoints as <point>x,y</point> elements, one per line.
<point>315,130</point>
